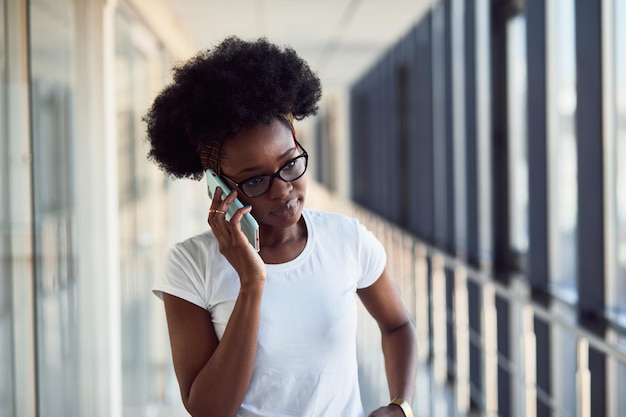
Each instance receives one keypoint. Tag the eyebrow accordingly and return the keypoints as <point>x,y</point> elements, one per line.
<point>255,168</point>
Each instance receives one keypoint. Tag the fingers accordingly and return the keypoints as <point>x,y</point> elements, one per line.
<point>217,199</point>
<point>216,202</point>
<point>232,241</point>
<point>235,221</point>
<point>217,215</point>
<point>218,207</point>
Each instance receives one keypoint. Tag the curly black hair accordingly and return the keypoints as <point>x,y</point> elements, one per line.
<point>237,85</point>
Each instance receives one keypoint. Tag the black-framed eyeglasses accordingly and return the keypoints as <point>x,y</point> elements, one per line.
<point>260,184</point>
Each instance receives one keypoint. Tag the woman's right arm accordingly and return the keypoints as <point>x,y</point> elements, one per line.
<point>213,376</point>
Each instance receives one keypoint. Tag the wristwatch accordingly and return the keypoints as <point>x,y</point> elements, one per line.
<point>406,408</point>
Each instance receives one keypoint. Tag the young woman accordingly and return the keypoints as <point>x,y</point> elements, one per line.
<point>273,332</point>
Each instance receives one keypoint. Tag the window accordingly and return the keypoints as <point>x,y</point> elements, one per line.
<point>6,328</point>
<point>562,148</point>
<point>619,162</point>
<point>562,191</point>
<point>143,232</point>
<point>52,90</point>
<point>517,120</point>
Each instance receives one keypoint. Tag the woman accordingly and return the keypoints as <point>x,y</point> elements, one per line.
<point>273,332</point>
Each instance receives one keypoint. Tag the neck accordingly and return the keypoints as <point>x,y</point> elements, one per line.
<point>273,237</point>
<point>284,245</point>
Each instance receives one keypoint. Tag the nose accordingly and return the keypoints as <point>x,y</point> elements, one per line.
<point>280,188</point>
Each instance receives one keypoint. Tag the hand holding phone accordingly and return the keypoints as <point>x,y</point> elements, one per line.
<point>249,225</point>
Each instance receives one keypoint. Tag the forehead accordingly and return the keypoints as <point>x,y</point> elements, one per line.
<point>257,145</point>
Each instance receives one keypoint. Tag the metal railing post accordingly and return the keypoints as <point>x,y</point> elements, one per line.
<point>583,379</point>
<point>440,360</point>
<point>529,362</point>
<point>490,350</point>
<point>461,330</point>
<point>422,312</point>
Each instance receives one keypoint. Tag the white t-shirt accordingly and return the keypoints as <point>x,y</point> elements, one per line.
<point>306,363</point>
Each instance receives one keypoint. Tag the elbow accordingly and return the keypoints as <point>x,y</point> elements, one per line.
<point>202,406</point>
<point>197,409</point>
<point>194,410</point>
<point>401,335</point>
<point>407,328</point>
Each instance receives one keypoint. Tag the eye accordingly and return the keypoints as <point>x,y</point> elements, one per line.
<point>254,181</point>
<point>290,165</point>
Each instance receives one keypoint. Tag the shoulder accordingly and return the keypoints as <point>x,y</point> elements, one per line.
<point>347,238</point>
<point>340,227</point>
<point>197,259</point>
<point>196,247</point>
<point>326,218</point>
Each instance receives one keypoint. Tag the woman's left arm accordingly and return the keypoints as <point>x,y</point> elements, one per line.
<point>382,300</point>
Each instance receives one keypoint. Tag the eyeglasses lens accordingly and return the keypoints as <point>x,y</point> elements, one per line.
<point>261,184</point>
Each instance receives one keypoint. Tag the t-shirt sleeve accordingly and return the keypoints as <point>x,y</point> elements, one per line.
<point>372,257</point>
<point>183,277</point>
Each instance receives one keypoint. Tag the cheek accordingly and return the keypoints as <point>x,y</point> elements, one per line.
<point>301,185</point>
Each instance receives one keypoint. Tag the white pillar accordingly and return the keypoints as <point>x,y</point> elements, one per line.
<point>97,211</point>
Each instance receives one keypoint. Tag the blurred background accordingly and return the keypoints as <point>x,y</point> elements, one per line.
<point>483,141</point>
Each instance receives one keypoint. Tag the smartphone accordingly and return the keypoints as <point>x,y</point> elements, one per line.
<point>249,225</point>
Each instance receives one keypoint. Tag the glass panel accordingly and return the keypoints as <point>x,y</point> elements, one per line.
<point>6,329</point>
<point>52,87</point>
<point>619,17</point>
<point>617,289</point>
<point>562,145</point>
<point>562,194</point>
<point>564,372</point>
<point>147,376</point>
<point>517,120</point>
<point>483,129</point>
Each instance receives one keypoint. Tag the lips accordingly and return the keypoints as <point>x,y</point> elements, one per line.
<point>288,209</point>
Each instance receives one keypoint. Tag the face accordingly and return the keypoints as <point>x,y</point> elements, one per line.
<point>265,149</point>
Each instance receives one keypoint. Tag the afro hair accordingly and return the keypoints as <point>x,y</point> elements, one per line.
<point>238,84</point>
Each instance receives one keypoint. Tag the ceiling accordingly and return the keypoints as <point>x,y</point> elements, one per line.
<point>339,39</point>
